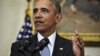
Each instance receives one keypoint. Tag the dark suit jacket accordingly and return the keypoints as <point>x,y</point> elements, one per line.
<point>62,47</point>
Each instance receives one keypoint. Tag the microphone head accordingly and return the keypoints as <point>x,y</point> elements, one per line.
<point>24,44</point>
<point>40,45</point>
<point>44,42</point>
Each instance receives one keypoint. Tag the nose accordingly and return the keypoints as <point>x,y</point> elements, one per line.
<point>38,15</point>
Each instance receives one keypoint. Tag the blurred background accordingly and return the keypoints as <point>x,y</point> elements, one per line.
<point>12,13</point>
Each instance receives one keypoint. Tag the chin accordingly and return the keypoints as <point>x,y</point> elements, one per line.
<point>40,29</point>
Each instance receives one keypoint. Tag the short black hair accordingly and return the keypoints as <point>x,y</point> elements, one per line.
<point>56,4</point>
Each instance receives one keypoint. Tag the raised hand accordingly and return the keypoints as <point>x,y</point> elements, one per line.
<point>78,45</point>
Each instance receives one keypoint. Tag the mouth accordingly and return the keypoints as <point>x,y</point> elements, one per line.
<point>38,22</point>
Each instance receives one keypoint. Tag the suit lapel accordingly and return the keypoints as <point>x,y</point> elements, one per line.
<point>58,47</point>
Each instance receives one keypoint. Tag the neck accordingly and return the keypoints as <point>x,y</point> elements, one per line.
<point>47,33</point>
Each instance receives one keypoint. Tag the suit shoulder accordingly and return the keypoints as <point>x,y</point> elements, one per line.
<point>65,39</point>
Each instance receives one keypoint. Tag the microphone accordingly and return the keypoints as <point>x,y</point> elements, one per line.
<point>23,44</point>
<point>44,42</point>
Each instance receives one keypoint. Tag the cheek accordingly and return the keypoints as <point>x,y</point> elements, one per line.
<point>50,22</point>
<point>50,19</point>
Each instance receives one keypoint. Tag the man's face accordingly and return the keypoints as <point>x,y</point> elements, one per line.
<point>45,18</point>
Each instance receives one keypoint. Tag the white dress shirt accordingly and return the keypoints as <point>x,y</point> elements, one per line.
<point>51,39</point>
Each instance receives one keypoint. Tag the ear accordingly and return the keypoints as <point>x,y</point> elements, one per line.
<point>58,17</point>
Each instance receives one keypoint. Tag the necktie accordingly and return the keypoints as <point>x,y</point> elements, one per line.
<point>45,51</point>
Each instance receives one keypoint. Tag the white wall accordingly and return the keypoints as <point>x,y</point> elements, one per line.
<point>11,19</point>
<point>92,51</point>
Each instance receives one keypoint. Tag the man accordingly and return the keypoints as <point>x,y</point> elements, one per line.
<point>47,14</point>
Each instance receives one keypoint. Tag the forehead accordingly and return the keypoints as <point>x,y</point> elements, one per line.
<point>43,4</point>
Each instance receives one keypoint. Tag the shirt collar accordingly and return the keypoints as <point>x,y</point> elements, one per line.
<point>51,38</point>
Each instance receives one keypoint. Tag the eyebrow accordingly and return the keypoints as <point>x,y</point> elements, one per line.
<point>40,9</point>
<point>34,9</point>
<point>44,8</point>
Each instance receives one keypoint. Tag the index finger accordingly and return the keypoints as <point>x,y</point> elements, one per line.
<point>77,33</point>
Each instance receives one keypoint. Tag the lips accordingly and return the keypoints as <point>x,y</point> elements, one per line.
<point>38,22</point>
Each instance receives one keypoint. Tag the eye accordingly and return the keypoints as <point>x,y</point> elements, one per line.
<point>35,10</point>
<point>44,10</point>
